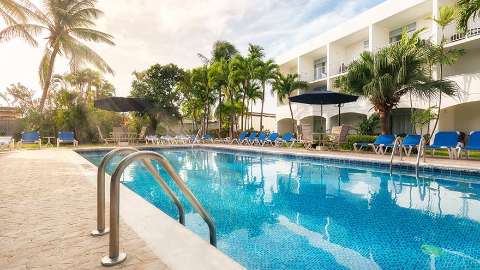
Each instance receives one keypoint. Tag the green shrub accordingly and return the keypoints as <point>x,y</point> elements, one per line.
<point>351,139</point>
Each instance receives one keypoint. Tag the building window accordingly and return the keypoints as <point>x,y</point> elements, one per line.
<point>320,68</point>
<point>366,45</point>
<point>396,35</point>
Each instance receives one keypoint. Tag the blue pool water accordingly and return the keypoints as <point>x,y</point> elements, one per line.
<point>284,212</point>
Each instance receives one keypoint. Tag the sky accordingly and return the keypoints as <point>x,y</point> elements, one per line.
<point>175,31</point>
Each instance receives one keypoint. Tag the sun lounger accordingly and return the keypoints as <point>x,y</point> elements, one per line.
<point>260,139</point>
<point>7,142</point>
<point>240,138</point>
<point>141,136</point>
<point>287,139</point>
<point>32,137</point>
<point>207,138</point>
<point>66,137</point>
<point>250,139</point>
<point>153,139</point>
<point>473,144</point>
<point>271,139</point>
<point>410,142</point>
<point>377,145</point>
<point>448,140</point>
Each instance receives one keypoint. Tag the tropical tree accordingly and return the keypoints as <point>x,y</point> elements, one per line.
<point>384,77</point>
<point>439,54</point>
<point>66,23</point>
<point>157,84</point>
<point>284,86</point>
<point>253,93</point>
<point>265,73</point>
<point>467,9</point>
<point>203,91</point>
<point>242,69</point>
<point>13,12</point>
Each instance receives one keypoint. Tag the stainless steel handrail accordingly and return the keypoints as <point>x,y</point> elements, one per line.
<point>421,151</point>
<point>115,257</point>
<point>101,230</point>
<point>395,145</point>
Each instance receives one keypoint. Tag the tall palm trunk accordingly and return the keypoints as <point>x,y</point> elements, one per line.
<point>244,95</point>
<point>384,116</point>
<point>261,110</point>
<point>48,78</point>
<point>439,101</point>
<point>220,112</point>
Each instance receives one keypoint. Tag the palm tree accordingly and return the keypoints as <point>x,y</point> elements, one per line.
<point>14,12</point>
<point>384,77</point>
<point>467,9</point>
<point>243,71</point>
<point>266,72</point>
<point>67,23</point>
<point>284,86</point>
<point>440,54</point>
<point>253,93</point>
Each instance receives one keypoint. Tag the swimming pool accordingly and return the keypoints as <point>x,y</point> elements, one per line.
<point>287,212</point>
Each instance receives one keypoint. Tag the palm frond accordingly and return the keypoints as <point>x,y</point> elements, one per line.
<point>92,35</point>
<point>80,54</point>
<point>24,31</point>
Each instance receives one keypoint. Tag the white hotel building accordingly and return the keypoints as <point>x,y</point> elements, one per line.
<point>324,58</point>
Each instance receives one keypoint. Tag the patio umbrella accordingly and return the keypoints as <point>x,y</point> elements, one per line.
<point>122,104</point>
<point>319,96</point>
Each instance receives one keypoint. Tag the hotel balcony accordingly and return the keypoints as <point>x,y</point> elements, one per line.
<point>453,35</point>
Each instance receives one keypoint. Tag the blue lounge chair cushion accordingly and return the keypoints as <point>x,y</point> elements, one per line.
<point>445,139</point>
<point>252,136</point>
<point>412,140</point>
<point>262,137</point>
<point>32,136</point>
<point>66,136</point>
<point>242,136</point>
<point>384,139</point>
<point>288,137</point>
<point>272,137</point>
<point>473,141</point>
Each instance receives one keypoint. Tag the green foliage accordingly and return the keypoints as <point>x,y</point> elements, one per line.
<point>385,76</point>
<point>351,139</point>
<point>67,109</point>
<point>422,118</point>
<point>157,84</point>
<point>66,24</point>
<point>284,86</point>
<point>369,125</point>
<point>467,9</point>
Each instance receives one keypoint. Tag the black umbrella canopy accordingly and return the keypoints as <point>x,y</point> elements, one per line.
<point>319,96</point>
<point>323,97</point>
<point>122,104</point>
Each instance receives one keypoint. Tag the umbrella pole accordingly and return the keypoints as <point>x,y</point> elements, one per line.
<point>321,116</point>
<point>339,117</point>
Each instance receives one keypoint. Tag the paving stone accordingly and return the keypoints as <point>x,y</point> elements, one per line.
<point>47,210</point>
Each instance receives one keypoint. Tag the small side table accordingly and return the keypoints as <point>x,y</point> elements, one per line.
<point>49,141</point>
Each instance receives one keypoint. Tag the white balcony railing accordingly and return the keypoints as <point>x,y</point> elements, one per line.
<point>451,33</point>
<point>319,76</point>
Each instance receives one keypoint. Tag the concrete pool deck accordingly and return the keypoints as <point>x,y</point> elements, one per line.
<point>47,210</point>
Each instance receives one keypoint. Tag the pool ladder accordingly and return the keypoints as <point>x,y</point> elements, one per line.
<point>115,256</point>
<point>421,151</point>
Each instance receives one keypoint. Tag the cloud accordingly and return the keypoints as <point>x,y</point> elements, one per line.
<point>152,31</point>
